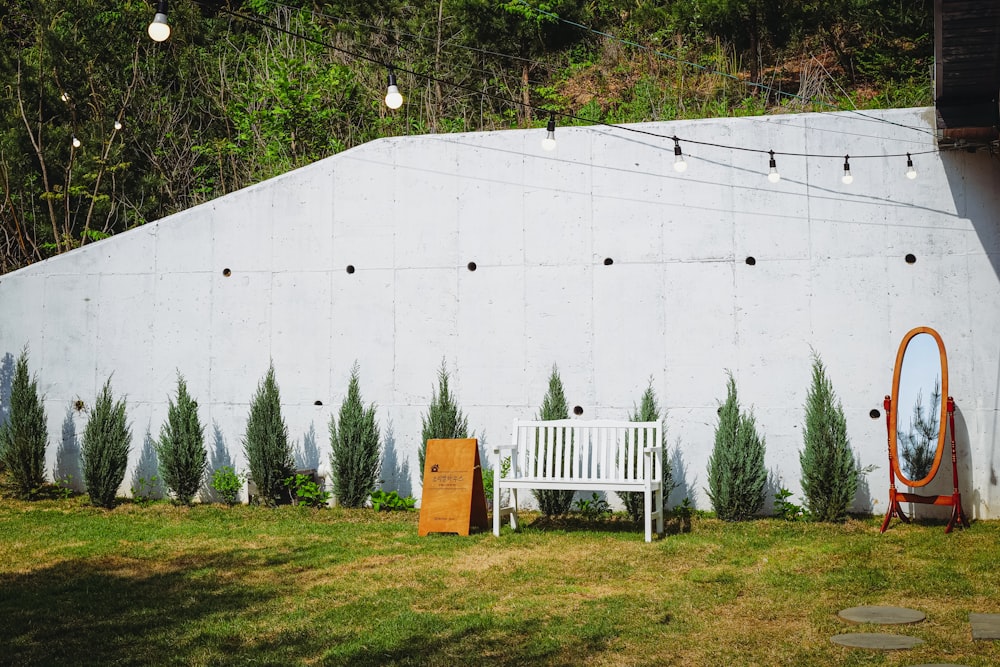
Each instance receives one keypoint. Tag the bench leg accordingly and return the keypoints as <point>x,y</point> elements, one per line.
<point>659,516</point>
<point>496,511</point>
<point>648,504</point>
<point>513,509</point>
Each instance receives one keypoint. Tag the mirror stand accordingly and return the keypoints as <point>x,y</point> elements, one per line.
<point>897,497</point>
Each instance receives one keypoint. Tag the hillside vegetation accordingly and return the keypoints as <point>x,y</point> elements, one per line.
<point>245,90</point>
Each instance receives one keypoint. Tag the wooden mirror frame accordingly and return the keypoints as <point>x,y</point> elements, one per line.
<point>897,497</point>
<point>942,412</point>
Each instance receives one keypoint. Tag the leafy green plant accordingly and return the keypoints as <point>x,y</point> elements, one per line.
<point>63,487</point>
<point>228,484</point>
<point>648,411</point>
<point>444,419</point>
<point>24,436</point>
<point>785,508</point>
<point>829,470</point>
<point>555,502</point>
<point>307,493</point>
<point>736,472</point>
<point>355,440</point>
<point>105,447</point>
<point>391,501</point>
<point>180,450</point>
<point>268,452</point>
<point>685,510</point>
<point>592,508</point>
<point>144,491</point>
<point>488,476</point>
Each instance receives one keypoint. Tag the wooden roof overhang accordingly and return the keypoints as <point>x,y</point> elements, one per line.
<point>967,72</point>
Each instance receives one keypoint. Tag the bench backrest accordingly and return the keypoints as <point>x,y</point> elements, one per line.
<point>602,450</point>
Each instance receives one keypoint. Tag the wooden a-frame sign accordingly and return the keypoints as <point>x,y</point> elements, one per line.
<point>453,499</point>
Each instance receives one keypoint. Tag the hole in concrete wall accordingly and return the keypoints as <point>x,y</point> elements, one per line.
<point>471,266</point>
<point>608,261</point>
<point>350,268</point>
<point>578,410</point>
<point>78,405</point>
<point>718,410</point>
<point>227,272</point>
<point>874,414</point>
<point>751,261</point>
<point>911,258</point>
<point>318,403</point>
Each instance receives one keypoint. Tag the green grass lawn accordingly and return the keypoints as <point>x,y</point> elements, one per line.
<point>247,585</point>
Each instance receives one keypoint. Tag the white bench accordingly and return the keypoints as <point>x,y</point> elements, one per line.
<point>571,454</point>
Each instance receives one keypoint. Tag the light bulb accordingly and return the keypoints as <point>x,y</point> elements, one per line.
<point>64,97</point>
<point>847,179</point>
<point>159,29</point>
<point>76,142</point>
<point>549,142</point>
<point>118,125</point>
<point>911,173</point>
<point>772,174</point>
<point>393,98</point>
<point>680,165</point>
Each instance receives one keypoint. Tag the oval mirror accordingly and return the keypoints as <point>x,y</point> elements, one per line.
<point>919,407</point>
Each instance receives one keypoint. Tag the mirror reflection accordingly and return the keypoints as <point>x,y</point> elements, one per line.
<point>918,424</point>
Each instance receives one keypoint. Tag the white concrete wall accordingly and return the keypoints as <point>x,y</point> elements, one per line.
<point>679,305</point>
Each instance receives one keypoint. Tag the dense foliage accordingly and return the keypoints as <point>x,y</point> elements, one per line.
<point>181,450</point>
<point>356,457</point>
<point>107,439</point>
<point>268,452</point>
<point>444,419</point>
<point>228,101</point>
<point>736,472</point>
<point>24,436</point>
<point>829,470</point>
<point>554,502</point>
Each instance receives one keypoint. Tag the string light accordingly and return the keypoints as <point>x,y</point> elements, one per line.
<point>159,29</point>
<point>76,142</point>
<point>847,179</point>
<point>118,125</point>
<point>549,142</point>
<point>772,174</point>
<point>64,97</point>
<point>393,98</point>
<point>911,173</point>
<point>680,165</point>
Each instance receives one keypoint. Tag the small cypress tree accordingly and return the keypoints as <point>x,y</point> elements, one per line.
<point>829,471</point>
<point>554,406</point>
<point>919,443</point>
<point>268,452</point>
<point>444,419</point>
<point>736,472</point>
<point>105,448</point>
<point>181,447</point>
<point>648,411</point>
<point>24,436</point>
<point>355,441</point>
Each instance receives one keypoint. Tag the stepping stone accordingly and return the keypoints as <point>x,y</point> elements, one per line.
<point>882,615</point>
<point>985,626</point>
<point>876,641</point>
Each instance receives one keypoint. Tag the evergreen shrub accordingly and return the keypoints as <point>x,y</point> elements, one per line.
<point>648,411</point>
<point>181,447</point>
<point>355,441</point>
<point>736,472</point>
<point>105,447</point>
<point>829,471</point>
<point>555,502</point>
<point>444,419</point>
<point>24,436</point>
<point>266,446</point>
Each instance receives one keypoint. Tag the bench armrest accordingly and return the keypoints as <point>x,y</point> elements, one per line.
<point>658,448</point>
